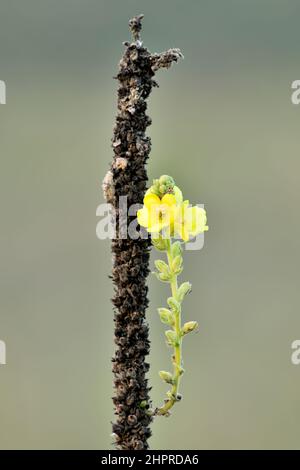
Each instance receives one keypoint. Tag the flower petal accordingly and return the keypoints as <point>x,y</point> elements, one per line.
<point>151,200</point>
<point>169,200</point>
<point>143,217</point>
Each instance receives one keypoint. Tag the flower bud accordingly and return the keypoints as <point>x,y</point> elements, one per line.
<point>167,181</point>
<point>159,243</point>
<point>163,277</point>
<point>165,316</point>
<point>183,290</point>
<point>178,194</point>
<point>166,376</point>
<point>165,184</point>
<point>162,266</point>
<point>176,249</point>
<point>177,264</point>
<point>171,337</point>
<point>188,327</point>
<point>173,304</point>
<point>154,189</point>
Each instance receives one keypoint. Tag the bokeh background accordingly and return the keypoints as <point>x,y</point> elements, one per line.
<point>225,128</point>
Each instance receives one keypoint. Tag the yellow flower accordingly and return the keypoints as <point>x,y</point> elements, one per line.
<point>157,214</point>
<point>189,221</point>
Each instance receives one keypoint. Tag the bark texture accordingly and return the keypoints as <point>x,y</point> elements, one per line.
<point>128,177</point>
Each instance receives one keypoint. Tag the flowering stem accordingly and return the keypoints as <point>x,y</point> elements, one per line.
<point>166,215</point>
<point>173,396</point>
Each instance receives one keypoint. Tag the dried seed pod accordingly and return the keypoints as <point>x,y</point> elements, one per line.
<point>121,163</point>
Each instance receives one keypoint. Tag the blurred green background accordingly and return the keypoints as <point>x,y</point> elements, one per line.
<point>225,128</point>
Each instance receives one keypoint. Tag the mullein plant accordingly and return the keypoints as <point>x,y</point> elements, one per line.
<point>127,176</point>
<point>171,222</point>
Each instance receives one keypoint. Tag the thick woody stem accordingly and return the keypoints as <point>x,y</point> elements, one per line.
<point>128,177</point>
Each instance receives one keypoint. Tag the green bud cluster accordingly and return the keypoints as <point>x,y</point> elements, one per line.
<point>165,184</point>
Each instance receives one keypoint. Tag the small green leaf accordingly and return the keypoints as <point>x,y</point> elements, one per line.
<point>166,376</point>
<point>183,290</point>
<point>189,327</point>
<point>166,316</point>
